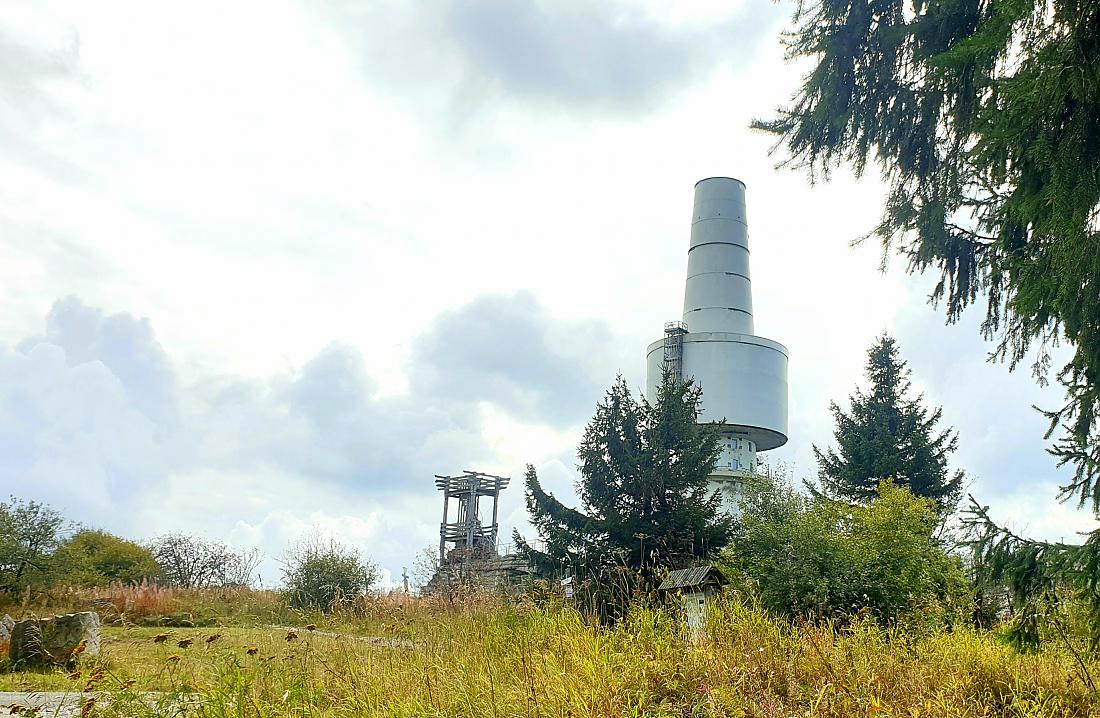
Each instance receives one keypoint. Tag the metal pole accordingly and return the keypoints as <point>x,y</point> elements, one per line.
<point>443,526</point>
<point>471,513</point>
<point>496,497</point>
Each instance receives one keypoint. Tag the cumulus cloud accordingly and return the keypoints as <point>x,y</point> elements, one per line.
<point>125,346</point>
<point>324,422</point>
<point>509,351</point>
<point>71,433</point>
<point>94,420</point>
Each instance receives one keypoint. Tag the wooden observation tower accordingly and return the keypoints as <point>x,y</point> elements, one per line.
<point>466,535</point>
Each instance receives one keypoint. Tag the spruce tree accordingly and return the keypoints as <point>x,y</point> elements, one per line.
<point>888,435</point>
<point>983,116</point>
<point>1046,585</point>
<point>645,502</point>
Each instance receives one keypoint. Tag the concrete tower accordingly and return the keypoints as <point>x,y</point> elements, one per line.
<point>743,376</point>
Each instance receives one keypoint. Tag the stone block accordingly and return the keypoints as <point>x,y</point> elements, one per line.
<point>54,641</point>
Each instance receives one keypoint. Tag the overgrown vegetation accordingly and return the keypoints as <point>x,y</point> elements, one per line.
<point>29,534</point>
<point>97,558</point>
<point>984,117</point>
<point>481,656</point>
<point>812,558</point>
<point>41,551</point>
<point>152,604</point>
<point>1049,588</point>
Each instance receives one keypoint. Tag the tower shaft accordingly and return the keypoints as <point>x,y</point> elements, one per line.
<point>743,376</point>
<point>718,291</point>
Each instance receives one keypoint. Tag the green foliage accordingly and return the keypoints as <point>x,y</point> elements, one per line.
<point>643,489</point>
<point>889,435</point>
<point>984,117</point>
<point>98,558</point>
<point>811,557</point>
<point>321,574</point>
<point>29,534</point>
<point>1040,579</point>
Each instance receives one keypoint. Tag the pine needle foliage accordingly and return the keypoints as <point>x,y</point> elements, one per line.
<point>888,435</point>
<point>1039,578</point>
<point>645,502</point>
<point>984,118</point>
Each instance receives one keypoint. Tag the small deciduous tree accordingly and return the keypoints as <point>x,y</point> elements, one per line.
<point>320,573</point>
<point>887,434</point>
<point>193,562</point>
<point>29,534</point>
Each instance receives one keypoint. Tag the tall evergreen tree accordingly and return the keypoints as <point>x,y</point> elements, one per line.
<point>984,118</point>
<point>645,503</point>
<point>889,435</point>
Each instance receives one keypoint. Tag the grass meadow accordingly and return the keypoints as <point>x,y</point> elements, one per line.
<point>483,656</point>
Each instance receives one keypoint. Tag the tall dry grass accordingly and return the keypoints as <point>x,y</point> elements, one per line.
<point>485,657</point>
<point>150,604</point>
<point>480,655</point>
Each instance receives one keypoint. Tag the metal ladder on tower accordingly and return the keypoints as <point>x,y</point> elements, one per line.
<point>674,349</point>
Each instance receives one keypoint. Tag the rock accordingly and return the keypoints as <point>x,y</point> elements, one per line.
<point>54,641</point>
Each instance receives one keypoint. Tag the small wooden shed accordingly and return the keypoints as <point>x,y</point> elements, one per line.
<point>697,587</point>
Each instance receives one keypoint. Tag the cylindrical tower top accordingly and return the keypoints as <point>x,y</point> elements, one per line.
<point>718,292</point>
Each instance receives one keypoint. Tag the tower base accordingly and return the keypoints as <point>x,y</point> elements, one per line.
<point>730,488</point>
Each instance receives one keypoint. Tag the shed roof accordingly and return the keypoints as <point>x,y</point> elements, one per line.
<point>692,577</point>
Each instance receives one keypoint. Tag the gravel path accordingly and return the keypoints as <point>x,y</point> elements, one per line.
<point>50,704</point>
<point>372,640</point>
<point>61,704</point>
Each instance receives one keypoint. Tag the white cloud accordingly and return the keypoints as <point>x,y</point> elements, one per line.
<point>95,422</point>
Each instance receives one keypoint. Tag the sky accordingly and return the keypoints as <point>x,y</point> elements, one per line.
<point>267,267</point>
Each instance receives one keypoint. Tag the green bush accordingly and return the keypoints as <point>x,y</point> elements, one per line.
<point>321,574</point>
<point>97,558</point>
<point>815,558</point>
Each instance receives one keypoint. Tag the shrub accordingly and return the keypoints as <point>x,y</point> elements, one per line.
<point>320,574</point>
<point>98,558</point>
<point>815,558</point>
